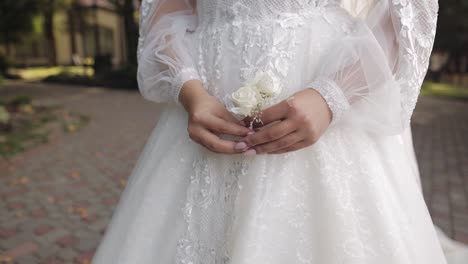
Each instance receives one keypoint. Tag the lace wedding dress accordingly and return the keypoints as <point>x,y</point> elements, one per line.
<point>353,197</point>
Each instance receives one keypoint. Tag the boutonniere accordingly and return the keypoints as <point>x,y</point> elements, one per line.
<point>256,95</point>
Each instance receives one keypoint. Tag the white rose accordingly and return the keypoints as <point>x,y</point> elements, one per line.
<point>245,100</point>
<point>267,84</point>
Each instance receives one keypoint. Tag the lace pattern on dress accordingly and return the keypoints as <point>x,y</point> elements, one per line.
<point>334,97</point>
<point>145,9</point>
<point>209,212</point>
<point>417,23</point>
<point>279,32</point>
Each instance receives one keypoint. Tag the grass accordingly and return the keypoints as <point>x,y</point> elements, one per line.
<point>444,90</point>
<point>29,125</point>
<point>36,73</point>
<point>27,131</point>
<point>25,137</point>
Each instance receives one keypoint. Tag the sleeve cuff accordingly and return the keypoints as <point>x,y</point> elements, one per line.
<point>184,75</point>
<point>333,95</point>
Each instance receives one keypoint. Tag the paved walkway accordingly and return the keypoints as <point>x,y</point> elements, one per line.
<point>440,132</point>
<point>56,199</point>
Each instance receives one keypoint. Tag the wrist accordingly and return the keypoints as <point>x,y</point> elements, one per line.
<point>323,101</point>
<point>191,93</point>
<point>185,75</point>
<point>333,96</point>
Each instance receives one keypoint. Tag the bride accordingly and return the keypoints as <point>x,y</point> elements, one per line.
<point>283,141</point>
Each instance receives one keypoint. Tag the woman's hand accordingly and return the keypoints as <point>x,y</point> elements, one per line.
<point>208,117</point>
<point>296,123</point>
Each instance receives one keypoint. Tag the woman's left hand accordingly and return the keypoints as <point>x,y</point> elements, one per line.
<point>298,121</point>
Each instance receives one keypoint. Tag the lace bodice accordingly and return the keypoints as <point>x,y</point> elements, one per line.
<point>213,11</point>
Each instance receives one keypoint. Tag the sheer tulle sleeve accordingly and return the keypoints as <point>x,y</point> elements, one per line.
<point>164,59</point>
<point>372,75</point>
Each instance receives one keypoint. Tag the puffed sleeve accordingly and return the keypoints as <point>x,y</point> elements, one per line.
<point>165,62</point>
<point>372,74</point>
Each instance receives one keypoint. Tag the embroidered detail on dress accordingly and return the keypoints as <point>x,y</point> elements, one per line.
<point>333,95</point>
<point>276,38</point>
<point>209,212</point>
<point>418,21</point>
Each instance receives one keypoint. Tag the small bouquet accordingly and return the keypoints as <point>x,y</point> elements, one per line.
<point>256,95</point>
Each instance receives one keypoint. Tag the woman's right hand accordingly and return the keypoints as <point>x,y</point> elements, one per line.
<point>208,118</point>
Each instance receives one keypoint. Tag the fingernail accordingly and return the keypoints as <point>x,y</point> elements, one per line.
<point>250,152</point>
<point>250,133</point>
<point>240,146</point>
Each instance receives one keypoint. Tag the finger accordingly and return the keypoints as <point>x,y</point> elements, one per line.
<point>281,143</point>
<point>229,117</point>
<point>219,125</point>
<point>274,113</point>
<point>215,144</point>
<point>271,133</point>
<point>299,145</point>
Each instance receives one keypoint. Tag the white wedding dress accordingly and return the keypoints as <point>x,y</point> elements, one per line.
<point>353,197</point>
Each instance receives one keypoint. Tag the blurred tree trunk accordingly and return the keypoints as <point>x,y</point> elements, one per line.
<point>7,44</point>
<point>72,29</point>
<point>452,33</point>
<point>49,11</point>
<point>131,31</point>
<point>97,39</point>
<point>15,21</point>
<point>126,9</point>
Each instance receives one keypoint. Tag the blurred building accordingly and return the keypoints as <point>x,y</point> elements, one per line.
<point>88,28</point>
